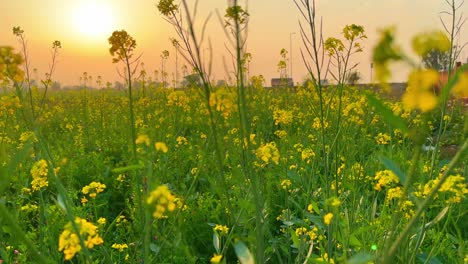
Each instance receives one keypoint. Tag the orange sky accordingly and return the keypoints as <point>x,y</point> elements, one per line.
<point>271,23</point>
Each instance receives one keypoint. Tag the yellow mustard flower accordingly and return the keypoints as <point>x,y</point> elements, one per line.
<point>419,93</point>
<point>162,200</point>
<point>39,173</point>
<point>181,140</point>
<point>119,247</point>
<point>69,242</point>
<point>216,259</point>
<point>383,139</point>
<point>143,139</point>
<point>161,146</point>
<point>328,218</point>
<point>282,117</point>
<point>285,184</point>
<point>92,190</point>
<point>101,221</point>
<point>307,154</point>
<point>385,178</point>
<point>268,152</point>
<point>222,229</point>
<point>461,87</point>
<point>426,42</point>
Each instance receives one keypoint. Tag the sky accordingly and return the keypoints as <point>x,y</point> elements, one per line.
<point>83,27</point>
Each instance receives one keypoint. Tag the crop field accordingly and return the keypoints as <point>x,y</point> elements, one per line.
<point>178,199</point>
<point>236,172</point>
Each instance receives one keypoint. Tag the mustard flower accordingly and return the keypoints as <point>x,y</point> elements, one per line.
<point>383,139</point>
<point>102,221</point>
<point>385,178</point>
<point>160,146</point>
<point>92,190</point>
<point>222,229</point>
<point>282,117</point>
<point>461,87</point>
<point>216,259</point>
<point>162,200</point>
<point>428,41</point>
<point>454,188</point>
<point>143,139</point>
<point>307,154</point>
<point>419,93</point>
<point>285,184</point>
<point>328,218</point>
<point>69,241</point>
<point>181,140</point>
<point>39,173</point>
<point>119,247</point>
<point>393,193</point>
<point>268,152</point>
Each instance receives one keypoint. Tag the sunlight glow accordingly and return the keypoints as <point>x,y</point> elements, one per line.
<point>93,19</point>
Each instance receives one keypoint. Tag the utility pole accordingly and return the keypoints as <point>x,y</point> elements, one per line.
<point>290,56</point>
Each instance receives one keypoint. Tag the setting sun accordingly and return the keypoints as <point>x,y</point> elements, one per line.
<point>93,19</point>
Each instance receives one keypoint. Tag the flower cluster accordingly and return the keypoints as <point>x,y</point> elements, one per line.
<point>383,139</point>
<point>419,94</point>
<point>385,178</point>
<point>268,152</point>
<point>69,241</point>
<point>91,190</point>
<point>39,173</point>
<point>221,229</point>
<point>163,200</point>
<point>454,188</point>
<point>119,247</point>
<point>282,117</point>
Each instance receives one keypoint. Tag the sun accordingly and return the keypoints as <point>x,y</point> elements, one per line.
<point>93,19</point>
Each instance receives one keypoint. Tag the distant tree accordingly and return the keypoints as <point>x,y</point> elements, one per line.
<point>191,80</point>
<point>354,77</point>
<point>221,83</point>
<point>56,86</point>
<point>119,86</point>
<point>437,60</point>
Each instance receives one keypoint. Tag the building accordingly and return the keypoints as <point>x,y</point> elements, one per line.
<point>282,82</point>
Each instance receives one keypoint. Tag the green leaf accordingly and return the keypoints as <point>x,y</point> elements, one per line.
<point>216,242</point>
<point>438,217</point>
<point>388,115</point>
<point>243,253</point>
<point>360,258</point>
<point>389,164</point>
<point>61,203</point>
<point>294,238</point>
<point>155,248</point>
<point>353,241</point>
<point>424,258</point>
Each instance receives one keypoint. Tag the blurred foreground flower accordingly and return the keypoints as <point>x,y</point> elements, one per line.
<point>163,200</point>
<point>420,94</point>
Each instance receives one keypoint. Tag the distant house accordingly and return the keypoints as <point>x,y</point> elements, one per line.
<point>282,82</point>
<point>444,77</point>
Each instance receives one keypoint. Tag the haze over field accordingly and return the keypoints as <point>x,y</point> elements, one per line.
<point>84,26</point>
